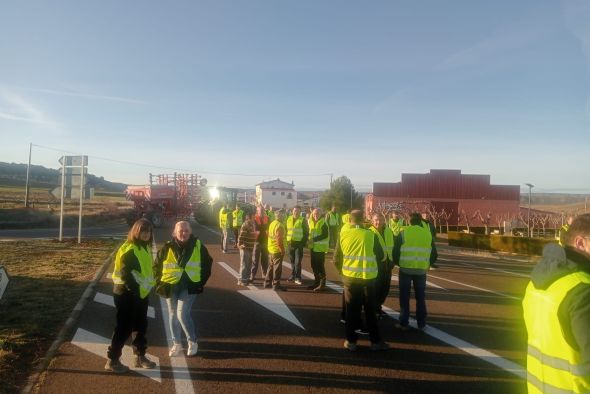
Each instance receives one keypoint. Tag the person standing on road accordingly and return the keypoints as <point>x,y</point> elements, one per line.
<point>261,223</point>
<point>358,255</point>
<point>428,225</point>
<point>385,237</point>
<point>396,223</point>
<point>333,220</point>
<point>411,252</point>
<point>246,240</point>
<point>556,310</point>
<point>297,234</point>
<point>182,269</point>
<point>319,238</point>
<point>277,240</point>
<point>133,281</point>
<point>237,220</point>
<point>225,225</point>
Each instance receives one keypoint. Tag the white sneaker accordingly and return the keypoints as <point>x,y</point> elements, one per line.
<point>175,350</point>
<point>192,348</point>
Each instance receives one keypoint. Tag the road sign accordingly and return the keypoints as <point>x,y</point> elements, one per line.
<point>73,161</point>
<point>3,280</point>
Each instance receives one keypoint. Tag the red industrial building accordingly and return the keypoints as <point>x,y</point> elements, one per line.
<point>451,197</point>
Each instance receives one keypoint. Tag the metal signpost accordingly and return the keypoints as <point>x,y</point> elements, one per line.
<point>3,280</point>
<point>73,169</point>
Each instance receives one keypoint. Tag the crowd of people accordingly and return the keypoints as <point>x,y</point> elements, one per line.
<point>556,304</point>
<point>364,254</point>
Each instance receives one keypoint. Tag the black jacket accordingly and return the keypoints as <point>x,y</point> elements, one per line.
<point>182,254</point>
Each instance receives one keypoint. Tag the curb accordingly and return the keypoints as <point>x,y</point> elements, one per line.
<point>485,253</point>
<point>67,327</point>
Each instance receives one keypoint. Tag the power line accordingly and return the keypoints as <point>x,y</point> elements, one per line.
<point>178,169</point>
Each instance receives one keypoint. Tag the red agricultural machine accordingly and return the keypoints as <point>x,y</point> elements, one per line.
<point>174,196</point>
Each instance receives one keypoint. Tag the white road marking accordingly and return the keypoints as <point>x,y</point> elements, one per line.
<point>478,288</point>
<point>395,278</point>
<point>267,298</point>
<point>98,345</point>
<point>490,269</point>
<point>442,336</point>
<point>109,300</point>
<point>183,382</point>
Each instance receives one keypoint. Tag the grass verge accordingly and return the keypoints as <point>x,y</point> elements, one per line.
<point>47,279</point>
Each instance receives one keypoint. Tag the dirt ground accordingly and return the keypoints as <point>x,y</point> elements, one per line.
<point>46,280</point>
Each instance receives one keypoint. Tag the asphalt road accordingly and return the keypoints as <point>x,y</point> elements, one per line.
<point>258,340</point>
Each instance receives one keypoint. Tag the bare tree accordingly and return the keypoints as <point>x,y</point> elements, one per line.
<point>444,215</point>
<point>464,218</point>
<point>484,219</point>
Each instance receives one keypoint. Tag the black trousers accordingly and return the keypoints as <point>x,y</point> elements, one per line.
<point>317,265</point>
<point>383,285</point>
<point>359,294</point>
<point>131,318</point>
<point>260,256</point>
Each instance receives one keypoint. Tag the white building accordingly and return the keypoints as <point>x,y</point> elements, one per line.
<point>276,193</point>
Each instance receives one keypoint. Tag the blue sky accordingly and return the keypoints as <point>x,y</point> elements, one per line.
<point>246,91</point>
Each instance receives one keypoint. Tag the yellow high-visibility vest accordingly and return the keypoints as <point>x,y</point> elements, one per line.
<point>386,242</point>
<point>273,242</point>
<point>145,278</point>
<point>415,248</point>
<point>172,272</point>
<point>333,219</point>
<point>397,226</point>
<point>359,259</point>
<point>553,366</point>
<point>315,229</point>
<point>224,217</point>
<point>294,229</point>
<point>237,217</point>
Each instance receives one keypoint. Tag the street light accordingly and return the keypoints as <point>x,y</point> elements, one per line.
<point>528,218</point>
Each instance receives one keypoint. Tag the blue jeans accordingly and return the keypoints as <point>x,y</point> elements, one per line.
<point>296,255</point>
<point>245,264</point>
<point>405,287</point>
<point>179,315</point>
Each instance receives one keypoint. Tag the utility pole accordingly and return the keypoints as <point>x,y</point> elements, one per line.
<point>28,172</point>
<point>528,219</point>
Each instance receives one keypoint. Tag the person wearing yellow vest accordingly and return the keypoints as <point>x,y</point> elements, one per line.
<point>334,223</point>
<point>556,309</point>
<point>182,269</point>
<point>345,221</point>
<point>564,229</point>
<point>428,225</point>
<point>237,220</point>
<point>396,223</point>
<point>357,257</point>
<point>133,281</point>
<point>411,251</point>
<point>225,223</point>
<point>270,212</point>
<point>319,238</point>
<point>277,240</point>
<point>385,236</point>
<point>297,234</point>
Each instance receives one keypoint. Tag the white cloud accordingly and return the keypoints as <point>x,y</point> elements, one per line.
<point>86,95</point>
<point>18,108</point>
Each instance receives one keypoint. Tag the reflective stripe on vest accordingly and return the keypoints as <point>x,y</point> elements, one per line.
<point>553,366</point>
<point>358,257</point>
<point>315,229</point>
<point>273,243</point>
<point>386,243</point>
<point>238,217</point>
<point>416,248</point>
<point>172,272</point>
<point>145,278</point>
<point>294,229</point>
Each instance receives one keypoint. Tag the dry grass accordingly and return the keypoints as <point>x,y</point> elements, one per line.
<point>44,209</point>
<point>46,280</point>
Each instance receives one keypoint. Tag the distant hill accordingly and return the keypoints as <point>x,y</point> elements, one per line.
<point>14,174</point>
